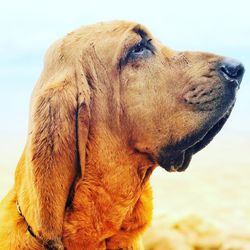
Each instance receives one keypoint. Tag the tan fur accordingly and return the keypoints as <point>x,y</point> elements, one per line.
<point>100,126</point>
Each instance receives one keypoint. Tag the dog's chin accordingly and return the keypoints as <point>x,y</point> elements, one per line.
<point>176,158</point>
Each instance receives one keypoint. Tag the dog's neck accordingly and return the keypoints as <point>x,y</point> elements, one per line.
<point>114,165</point>
<point>112,183</point>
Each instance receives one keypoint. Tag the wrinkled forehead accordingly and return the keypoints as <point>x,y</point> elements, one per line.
<point>106,42</point>
<point>111,40</point>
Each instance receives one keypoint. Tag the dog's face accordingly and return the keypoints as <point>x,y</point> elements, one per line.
<point>168,104</point>
<point>176,102</point>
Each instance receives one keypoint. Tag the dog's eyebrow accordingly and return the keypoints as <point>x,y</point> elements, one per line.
<point>141,32</point>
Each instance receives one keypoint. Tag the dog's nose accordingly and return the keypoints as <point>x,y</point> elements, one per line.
<point>231,70</point>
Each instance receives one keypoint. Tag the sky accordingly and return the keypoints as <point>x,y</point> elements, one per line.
<point>29,27</point>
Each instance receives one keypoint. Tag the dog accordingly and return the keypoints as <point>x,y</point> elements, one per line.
<point>112,103</point>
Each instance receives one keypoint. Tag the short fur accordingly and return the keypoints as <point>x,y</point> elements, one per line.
<point>96,128</point>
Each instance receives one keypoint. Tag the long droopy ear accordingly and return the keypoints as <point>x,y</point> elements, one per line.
<point>59,121</point>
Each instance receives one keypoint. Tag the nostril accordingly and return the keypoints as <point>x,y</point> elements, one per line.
<point>231,70</point>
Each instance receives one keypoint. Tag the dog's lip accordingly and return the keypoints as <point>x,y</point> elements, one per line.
<point>184,164</point>
<point>178,157</point>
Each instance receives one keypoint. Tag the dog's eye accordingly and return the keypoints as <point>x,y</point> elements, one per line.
<point>142,49</point>
<point>139,49</point>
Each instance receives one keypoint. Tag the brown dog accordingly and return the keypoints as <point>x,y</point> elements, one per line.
<point>111,104</point>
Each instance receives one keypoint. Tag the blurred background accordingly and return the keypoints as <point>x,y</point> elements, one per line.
<point>210,202</point>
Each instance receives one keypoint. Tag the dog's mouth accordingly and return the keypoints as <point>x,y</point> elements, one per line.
<point>178,156</point>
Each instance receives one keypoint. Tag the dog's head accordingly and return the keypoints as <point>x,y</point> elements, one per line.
<point>163,103</point>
